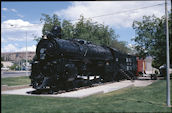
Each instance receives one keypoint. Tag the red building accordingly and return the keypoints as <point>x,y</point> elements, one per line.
<point>140,66</point>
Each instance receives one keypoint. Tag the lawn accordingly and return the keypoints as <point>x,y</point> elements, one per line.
<point>13,81</point>
<point>135,99</point>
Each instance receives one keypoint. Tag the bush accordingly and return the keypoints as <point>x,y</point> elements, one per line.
<point>13,67</point>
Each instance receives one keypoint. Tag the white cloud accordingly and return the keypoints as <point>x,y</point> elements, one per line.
<point>4,9</point>
<point>14,10</point>
<point>17,34</point>
<point>131,45</point>
<point>16,44</point>
<point>19,39</point>
<point>14,48</point>
<point>2,40</point>
<point>19,25</point>
<point>9,48</point>
<point>19,15</point>
<point>30,48</point>
<point>91,9</point>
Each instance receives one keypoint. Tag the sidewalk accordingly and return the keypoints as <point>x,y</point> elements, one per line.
<point>109,87</point>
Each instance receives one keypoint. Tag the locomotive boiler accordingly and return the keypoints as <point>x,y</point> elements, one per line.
<point>59,62</point>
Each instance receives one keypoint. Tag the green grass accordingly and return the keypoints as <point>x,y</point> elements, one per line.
<point>13,81</point>
<point>135,99</point>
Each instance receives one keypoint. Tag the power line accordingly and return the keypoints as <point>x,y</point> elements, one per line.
<point>99,15</point>
<point>23,26</point>
<point>124,11</point>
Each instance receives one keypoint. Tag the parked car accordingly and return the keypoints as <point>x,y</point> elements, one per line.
<point>163,70</point>
<point>4,69</point>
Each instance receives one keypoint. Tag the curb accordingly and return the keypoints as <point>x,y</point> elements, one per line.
<point>6,87</point>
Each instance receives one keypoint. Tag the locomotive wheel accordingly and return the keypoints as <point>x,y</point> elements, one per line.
<point>107,77</point>
<point>113,76</point>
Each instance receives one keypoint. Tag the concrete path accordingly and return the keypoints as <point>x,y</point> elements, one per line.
<point>109,87</point>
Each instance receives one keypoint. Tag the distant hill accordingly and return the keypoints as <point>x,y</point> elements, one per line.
<point>17,56</point>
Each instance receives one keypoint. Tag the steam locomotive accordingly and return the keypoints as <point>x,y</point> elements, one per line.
<point>62,63</point>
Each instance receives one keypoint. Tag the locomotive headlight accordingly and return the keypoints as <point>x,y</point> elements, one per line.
<point>42,53</point>
<point>107,63</point>
<point>42,50</point>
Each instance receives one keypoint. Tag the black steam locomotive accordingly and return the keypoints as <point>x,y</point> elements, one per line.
<point>62,63</point>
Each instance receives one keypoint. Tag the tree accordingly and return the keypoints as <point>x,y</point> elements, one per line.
<point>151,38</point>
<point>13,67</point>
<point>2,65</point>
<point>83,29</point>
<point>94,32</point>
<point>67,30</point>
<point>2,58</point>
<point>49,22</point>
<point>121,46</point>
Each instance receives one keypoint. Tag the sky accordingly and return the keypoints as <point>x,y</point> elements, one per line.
<point>21,20</point>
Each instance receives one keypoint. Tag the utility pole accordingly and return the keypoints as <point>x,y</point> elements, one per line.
<point>20,64</point>
<point>26,54</point>
<point>168,58</point>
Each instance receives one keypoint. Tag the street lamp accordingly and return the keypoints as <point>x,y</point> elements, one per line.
<point>26,54</point>
<point>26,51</point>
<point>168,58</point>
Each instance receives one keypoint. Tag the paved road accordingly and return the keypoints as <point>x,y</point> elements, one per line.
<point>5,74</point>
